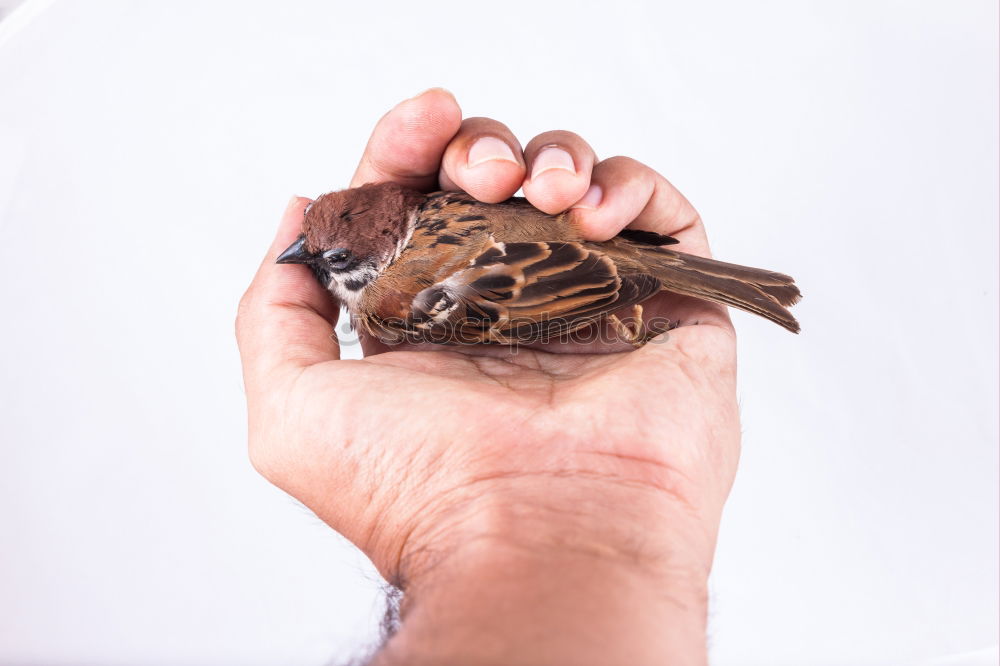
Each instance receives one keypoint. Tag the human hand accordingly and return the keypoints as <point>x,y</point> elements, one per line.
<point>432,461</point>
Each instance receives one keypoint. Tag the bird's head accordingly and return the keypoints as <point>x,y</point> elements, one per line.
<point>349,237</point>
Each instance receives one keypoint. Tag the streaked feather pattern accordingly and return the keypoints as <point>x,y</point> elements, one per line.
<point>510,273</point>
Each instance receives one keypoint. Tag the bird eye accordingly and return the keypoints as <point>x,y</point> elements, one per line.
<point>338,258</point>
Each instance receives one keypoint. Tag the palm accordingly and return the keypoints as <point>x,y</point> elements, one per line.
<point>612,400</point>
<point>437,423</point>
<point>373,445</point>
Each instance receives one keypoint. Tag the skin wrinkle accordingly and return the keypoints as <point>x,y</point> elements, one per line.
<point>553,366</point>
<point>408,531</point>
<point>579,473</point>
<point>405,554</point>
<point>377,482</point>
<point>670,470</point>
<point>551,397</point>
<point>388,172</point>
<point>689,366</point>
<point>376,526</point>
<point>428,508</point>
<point>469,358</point>
<point>484,365</point>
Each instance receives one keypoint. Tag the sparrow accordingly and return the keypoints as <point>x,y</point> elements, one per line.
<point>445,268</point>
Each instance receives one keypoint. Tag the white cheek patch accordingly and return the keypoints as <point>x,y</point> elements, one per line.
<point>349,287</point>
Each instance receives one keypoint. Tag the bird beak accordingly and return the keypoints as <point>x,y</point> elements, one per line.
<point>296,253</point>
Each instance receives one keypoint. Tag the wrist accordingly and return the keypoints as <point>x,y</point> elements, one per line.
<point>519,576</point>
<point>633,525</point>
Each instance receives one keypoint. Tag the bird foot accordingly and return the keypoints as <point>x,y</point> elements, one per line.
<point>633,332</point>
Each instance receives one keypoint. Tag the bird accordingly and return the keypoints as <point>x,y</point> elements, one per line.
<point>444,268</point>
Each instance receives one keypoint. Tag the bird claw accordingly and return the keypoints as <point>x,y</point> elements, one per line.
<point>633,332</point>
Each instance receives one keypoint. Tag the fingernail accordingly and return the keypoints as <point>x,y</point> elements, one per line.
<point>489,148</point>
<point>552,157</point>
<point>291,202</point>
<point>592,199</point>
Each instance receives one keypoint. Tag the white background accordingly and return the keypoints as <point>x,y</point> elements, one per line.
<point>147,149</point>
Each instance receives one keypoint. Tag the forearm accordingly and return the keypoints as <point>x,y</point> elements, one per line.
<point>619,578</point>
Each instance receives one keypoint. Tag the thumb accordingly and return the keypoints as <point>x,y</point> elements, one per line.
<point>285,318</point>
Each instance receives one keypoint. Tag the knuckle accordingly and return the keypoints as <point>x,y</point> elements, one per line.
<point>381,166</point>
<point>623,162</point>
<point>629,173</point>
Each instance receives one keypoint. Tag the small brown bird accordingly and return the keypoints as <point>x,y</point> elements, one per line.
<point>445,268</point>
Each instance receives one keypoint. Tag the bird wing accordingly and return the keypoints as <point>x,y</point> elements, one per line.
<point>524,292</point>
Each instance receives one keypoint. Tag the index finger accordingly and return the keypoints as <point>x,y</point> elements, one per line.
<point>626,192</point>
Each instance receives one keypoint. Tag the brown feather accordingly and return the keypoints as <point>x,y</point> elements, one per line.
<point>755,290</point>
<point>508,272</point>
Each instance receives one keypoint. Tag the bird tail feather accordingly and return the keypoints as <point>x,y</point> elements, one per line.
<point>761,292</point>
